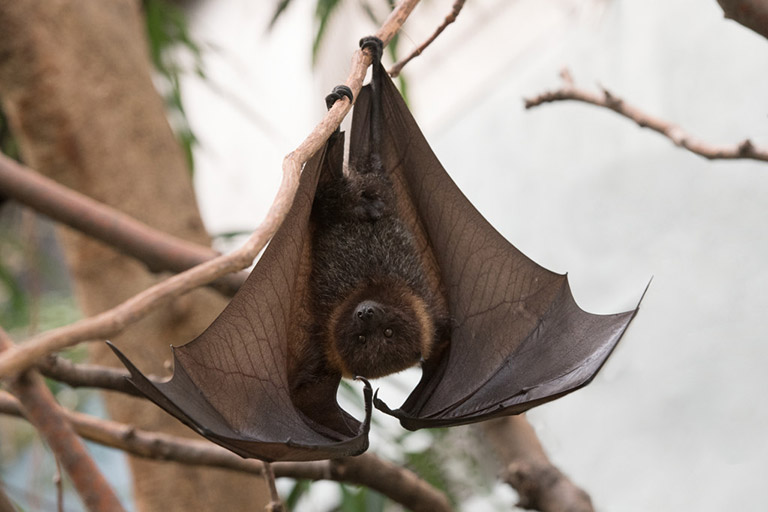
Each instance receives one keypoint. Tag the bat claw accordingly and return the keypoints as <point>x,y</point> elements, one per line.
<point>375,44</point>
<point>364,381</point>
<point>336,94</point>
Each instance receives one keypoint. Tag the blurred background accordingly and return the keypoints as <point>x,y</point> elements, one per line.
<point>674,421</point>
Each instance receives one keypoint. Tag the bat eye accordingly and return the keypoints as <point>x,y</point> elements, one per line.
<point>361,338</point>
<point>388,332</point>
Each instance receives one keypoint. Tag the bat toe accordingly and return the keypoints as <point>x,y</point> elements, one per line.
<point>336,94</point>
<point>373,43</point>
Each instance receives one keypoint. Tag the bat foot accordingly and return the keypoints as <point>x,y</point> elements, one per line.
<point>375,45</point>
<point>336,94</point>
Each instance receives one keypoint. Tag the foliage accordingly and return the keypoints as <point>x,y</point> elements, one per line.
<point>7,143</point>
<point>324,11</point>
<point>167,33</point>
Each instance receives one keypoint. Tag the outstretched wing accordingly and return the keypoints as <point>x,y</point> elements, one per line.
<point>231,384</point>
<point>518,338</point>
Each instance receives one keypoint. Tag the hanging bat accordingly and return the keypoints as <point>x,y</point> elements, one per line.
<point>373,271</point>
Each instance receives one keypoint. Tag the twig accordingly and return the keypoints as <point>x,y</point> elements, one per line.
<point>159,251</point>
<point>743,150</point>
<point>41,409</point>
<point>274,505</point>
<point>87,375</point>
<point>455,10</point>
<point>113,321</point>
<point>399,484</point>
<point>753,14</point>
<point>539,484</point>
<point>59,483</point>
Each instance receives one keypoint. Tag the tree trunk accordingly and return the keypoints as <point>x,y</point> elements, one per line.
<point>75,84</point>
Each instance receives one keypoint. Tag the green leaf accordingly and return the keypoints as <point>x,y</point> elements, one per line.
<point>299,489</point>
<point>323,12</point>
<point>361,499</point>
<point>282,5</point>
<point>167,29</point>
<point>14,310</point>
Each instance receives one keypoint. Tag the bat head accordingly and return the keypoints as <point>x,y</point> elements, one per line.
<point>384,328</point>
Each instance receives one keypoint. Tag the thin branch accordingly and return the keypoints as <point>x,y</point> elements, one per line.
<point>113,321</point>
<point>41,409</point>
<point>58,481</point>
<point>397,483</point>
<point>455,10</point>
<point>539,484</point>
<point>87,375</point>
<point>158,250</point>
<point>274,505</point>
<point>606,99</point>
<point>753,14</point>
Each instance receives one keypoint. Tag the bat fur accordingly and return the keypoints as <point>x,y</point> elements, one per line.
<point>374,312</point>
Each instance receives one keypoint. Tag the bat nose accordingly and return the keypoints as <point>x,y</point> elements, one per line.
<point>367,311</point>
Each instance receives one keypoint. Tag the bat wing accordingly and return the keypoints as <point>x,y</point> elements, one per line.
<point>231,384</point>
<point>518,338</point>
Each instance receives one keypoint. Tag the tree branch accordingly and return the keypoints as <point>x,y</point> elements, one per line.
<point>527,468</point>
<point>41,409</point>
<point>159,251</point>
<point>87,375</point>
<point>606,99</point>
<point>397,483</point>
<point>753,14</point>
<point>455,10</point>
<point>113,321</point>
<point>539,484</point>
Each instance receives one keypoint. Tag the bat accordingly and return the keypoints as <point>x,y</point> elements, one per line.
<point>375,270</point>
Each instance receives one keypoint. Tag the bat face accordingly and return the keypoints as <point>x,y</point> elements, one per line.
<point>384,328</point>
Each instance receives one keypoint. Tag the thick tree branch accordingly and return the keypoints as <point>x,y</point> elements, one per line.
<point>606,99</point>
<point>397,483</point>
<point>753,14</point>
<point>527,468</point>
<point>540,485</point>
<point>159,251</point>
<point>455,10</point>
<point>113,321</point>
<point>41,409</point>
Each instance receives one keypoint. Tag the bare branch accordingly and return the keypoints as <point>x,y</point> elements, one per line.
<point>606,99</point>
<point>113,321</point>
<point>540,485</point>
<point>527,467</point>
<point>87,375</point>
<point>159,251</point>
<point>753,14</point>
<point>274,505</point>
<point>397,483</point>
<point>41,409</point>
<point>455,10</point>
<point>58,481</point>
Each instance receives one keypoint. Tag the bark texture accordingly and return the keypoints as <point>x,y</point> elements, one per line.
<point>75,84</point>
<point>539,484</point>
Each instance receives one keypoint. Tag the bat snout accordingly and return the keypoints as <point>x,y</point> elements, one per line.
<point>368,312</point>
